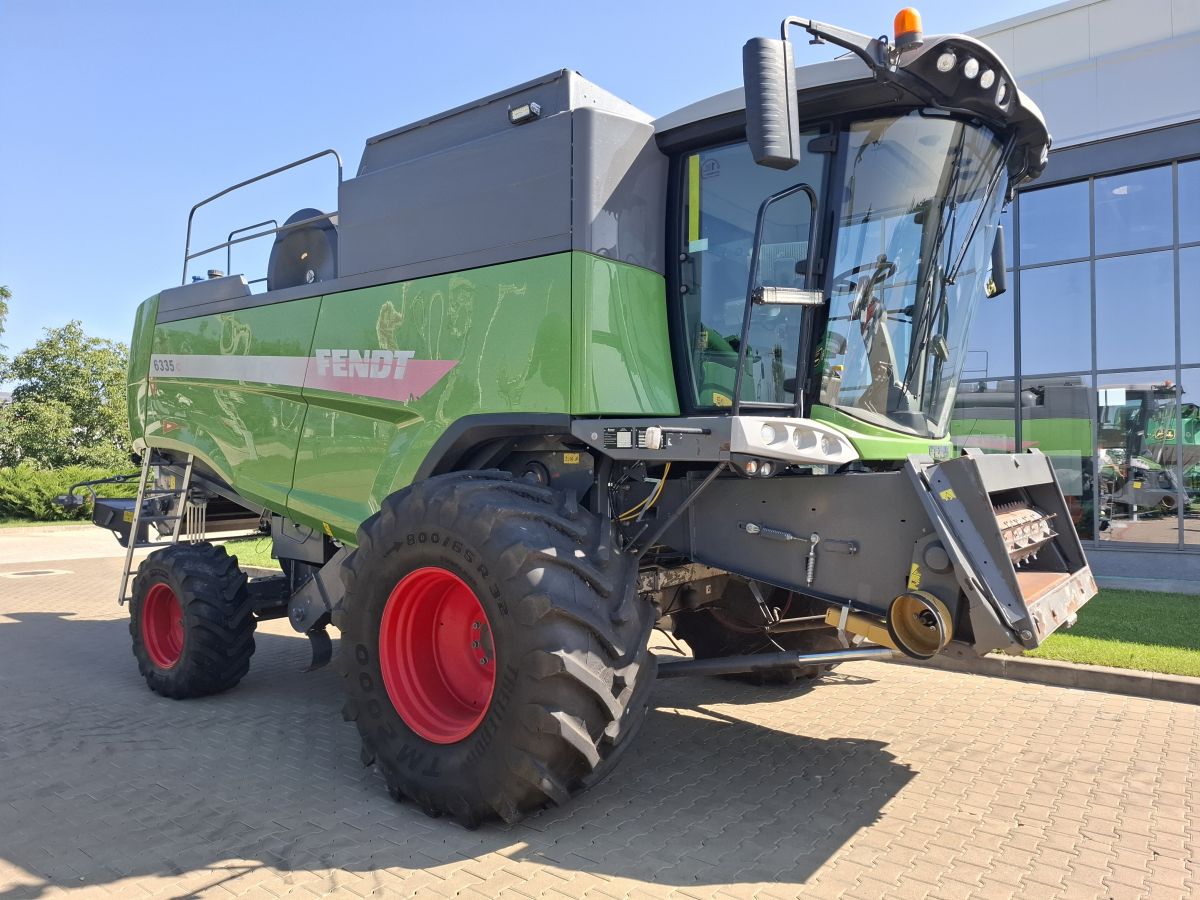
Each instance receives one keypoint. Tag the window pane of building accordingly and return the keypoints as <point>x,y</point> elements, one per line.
<point>1057,418</point>
<point>985,415</point>
<point>1135,311</point>
<point>1133,211</point>
<point>1189,305</point>
<point>1189,452</point>
<point>1054,224</point>
<point>1137,488</point>
<point>990,350</point>
<point>1056,318</point>
<point>1189,201</point>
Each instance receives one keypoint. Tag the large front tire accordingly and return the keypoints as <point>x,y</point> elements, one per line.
<point>495,656</point>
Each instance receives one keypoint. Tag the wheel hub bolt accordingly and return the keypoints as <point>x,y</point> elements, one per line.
<point>475,625</point>
<point>474,644</point>
<point>483,660</point>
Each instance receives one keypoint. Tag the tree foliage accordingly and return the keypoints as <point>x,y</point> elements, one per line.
<point>28,492</point>
<point>69,403</point>
<point>5,296</point>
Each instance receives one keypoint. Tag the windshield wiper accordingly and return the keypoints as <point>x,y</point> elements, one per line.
<point>951,273</point>
<point>923,325</point>
<point>993,182</point>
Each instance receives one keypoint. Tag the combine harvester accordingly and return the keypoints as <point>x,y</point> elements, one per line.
<point>555,374</point>
<point>1144,429</point>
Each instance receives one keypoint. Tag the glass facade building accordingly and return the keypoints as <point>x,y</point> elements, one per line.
<point>1093,354</point>
<point>1090,355</point>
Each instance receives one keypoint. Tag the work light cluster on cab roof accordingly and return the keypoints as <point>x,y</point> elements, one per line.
<point>959,67</point>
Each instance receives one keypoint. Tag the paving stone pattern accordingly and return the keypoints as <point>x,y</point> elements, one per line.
<point>880,781</point>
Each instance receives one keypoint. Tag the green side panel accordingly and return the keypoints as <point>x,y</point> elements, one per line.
<point>239,425</point>
<point>988,435</point>
<point>503,335</point>
<point>1051,436</point>
<point>620,348</point>
<point>873,442</point>
<point>139,364</point>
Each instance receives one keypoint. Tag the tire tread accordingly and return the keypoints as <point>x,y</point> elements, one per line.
<point>577,706</point>
<point>219,639</point>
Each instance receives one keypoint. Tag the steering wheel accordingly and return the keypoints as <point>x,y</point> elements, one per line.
<point>881,270</point>
<point>865,307</point>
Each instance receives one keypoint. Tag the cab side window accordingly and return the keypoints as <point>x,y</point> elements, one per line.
<point>722,192</point>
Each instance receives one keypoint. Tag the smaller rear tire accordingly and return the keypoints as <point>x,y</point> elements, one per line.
<point>190,620</point>
<point>728,628</point>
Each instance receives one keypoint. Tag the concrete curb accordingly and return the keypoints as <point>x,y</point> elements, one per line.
<point>1178,688</point>
<point>45,528</point>
<point>1162,585</point>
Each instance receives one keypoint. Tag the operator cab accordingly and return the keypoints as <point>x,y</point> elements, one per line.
<point>831,254</point>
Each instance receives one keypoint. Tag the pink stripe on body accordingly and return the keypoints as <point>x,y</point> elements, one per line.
<point>419,376</point>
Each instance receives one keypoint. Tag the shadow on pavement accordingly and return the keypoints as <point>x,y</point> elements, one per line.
<point>100,780</point>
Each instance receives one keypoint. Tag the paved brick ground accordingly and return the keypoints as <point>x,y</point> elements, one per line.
<point>882,781</point>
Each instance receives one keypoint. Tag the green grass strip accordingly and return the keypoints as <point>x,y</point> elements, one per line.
<point>1143,630</point>
<point>252,551</point>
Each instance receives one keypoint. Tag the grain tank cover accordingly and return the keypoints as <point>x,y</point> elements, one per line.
<point>491,181</point>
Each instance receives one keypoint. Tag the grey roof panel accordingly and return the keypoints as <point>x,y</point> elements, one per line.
<point>835,71</point>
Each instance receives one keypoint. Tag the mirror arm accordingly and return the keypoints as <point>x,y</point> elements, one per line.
<point>872,51</point>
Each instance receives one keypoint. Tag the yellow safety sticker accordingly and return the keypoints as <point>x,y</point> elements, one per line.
<point>693,198</point>
<point>720,399</point>
<point>325,527</point>
<point>1137,485</point>
<point>914,577</point>
<point>947,494</point>
<point>128,516</point>
<point>570,459</point>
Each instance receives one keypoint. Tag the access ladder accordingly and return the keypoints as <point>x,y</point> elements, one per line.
<point>181,509</point>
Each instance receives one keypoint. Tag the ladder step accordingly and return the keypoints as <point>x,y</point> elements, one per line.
<point>180,491</point>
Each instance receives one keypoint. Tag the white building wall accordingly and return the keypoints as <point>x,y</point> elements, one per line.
<point>1100,68</point>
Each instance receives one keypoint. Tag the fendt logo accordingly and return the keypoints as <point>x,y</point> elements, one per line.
<point>363,363</point>
<point>385,374</point>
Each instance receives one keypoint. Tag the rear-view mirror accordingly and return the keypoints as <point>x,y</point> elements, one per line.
<point>997,282</point>
<point>772,113</point>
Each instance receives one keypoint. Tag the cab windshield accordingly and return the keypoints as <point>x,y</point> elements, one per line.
<point>919,207</point>
<point>913,220</point>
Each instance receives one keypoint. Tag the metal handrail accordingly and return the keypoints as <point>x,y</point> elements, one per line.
<point>188,256</point>
<point>229,249</point>
<point>250,237</point>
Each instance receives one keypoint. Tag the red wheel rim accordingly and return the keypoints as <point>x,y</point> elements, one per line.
<point>436,655</point>
<point>162,626</point>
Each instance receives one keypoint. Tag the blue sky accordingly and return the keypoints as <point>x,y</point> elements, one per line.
<point>117,116</point>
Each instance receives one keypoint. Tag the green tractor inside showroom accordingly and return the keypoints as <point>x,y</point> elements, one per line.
<point>555,374</point>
